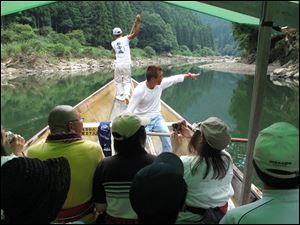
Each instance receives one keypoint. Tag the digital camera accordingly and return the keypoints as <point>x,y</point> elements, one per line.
<point>176,126</point>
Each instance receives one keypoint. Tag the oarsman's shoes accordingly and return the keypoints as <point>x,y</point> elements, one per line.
<point>120,97</point>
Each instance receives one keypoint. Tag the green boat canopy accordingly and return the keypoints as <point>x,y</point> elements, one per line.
<point>216,11</point>
<point>284,13</point>
<point>9,7</point>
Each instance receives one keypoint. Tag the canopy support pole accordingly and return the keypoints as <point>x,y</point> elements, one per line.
<point>262,58</point>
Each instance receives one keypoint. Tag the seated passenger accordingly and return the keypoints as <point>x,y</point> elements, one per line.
<point>65,139</point>
<point>276,162</point>
<point>114,174</point>
<point>158,190</point>
<point>33,191</point>
<point>208,170</point>
<point>16,146</point>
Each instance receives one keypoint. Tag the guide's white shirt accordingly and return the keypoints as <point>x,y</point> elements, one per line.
<point>145,101</point>
<point>122,49</point>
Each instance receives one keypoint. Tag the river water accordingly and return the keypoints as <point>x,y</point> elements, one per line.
<point>25,107</point>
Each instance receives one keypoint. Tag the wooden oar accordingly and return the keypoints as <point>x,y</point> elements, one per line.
<point>132,28</point>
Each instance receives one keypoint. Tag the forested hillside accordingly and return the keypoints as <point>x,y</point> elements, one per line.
<point>84,29</point>
<point>284,46</point>
<point>222,35</point>
<point>164,28</point>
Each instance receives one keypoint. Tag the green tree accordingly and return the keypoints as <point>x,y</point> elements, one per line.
<point>99,25</point>
<point>162,37</point>
<point>77,35</point>
<point>246,36</point>
<point>149,51</point>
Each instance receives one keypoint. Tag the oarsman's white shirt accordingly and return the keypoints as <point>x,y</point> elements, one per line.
<point>122,50</point>
<point>145,101</point>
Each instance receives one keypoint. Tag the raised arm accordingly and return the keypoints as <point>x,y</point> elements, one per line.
<point>137,28</point>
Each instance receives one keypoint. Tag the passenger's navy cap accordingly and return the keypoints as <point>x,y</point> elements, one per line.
<point>159,187</point>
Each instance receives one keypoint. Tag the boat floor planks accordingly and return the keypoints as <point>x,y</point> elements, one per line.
<point>118,108</point>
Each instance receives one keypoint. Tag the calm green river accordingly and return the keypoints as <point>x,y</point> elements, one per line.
<point>25,107</point>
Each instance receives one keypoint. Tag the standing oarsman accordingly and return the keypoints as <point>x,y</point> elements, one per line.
<point>123,60</point>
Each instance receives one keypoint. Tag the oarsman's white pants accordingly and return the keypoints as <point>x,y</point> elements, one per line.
<point>122,79</point>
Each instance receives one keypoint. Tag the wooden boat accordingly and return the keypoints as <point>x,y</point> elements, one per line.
<point>101,106</point>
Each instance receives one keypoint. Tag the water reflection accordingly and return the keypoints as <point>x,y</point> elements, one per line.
<point>25,107</point>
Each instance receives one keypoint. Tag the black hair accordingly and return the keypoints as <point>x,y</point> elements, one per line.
<point>274,182</point>
<point>135,143</point>
<point>213,157</point>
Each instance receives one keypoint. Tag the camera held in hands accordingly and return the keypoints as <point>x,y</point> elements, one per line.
<point>176,126</point>
<point>9,136</point>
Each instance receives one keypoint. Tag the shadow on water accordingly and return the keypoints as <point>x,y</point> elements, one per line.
<point>25,107</point>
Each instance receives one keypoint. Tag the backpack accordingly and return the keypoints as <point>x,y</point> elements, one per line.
<point>104,137</point>
<point>212,216</point>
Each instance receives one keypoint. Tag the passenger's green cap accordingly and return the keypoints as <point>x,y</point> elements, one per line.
<point>276,150</point>
<point>127,124</point>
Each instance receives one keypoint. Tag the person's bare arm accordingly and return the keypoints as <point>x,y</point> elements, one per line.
<point>17,145</point>
<point>191,76</point>
<point>137,28</point>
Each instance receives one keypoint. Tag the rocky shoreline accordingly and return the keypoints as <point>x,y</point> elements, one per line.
<point>45,69</point>
<point>63,67</point>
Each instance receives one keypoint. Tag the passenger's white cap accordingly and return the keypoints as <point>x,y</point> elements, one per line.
<point>117,31</point>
